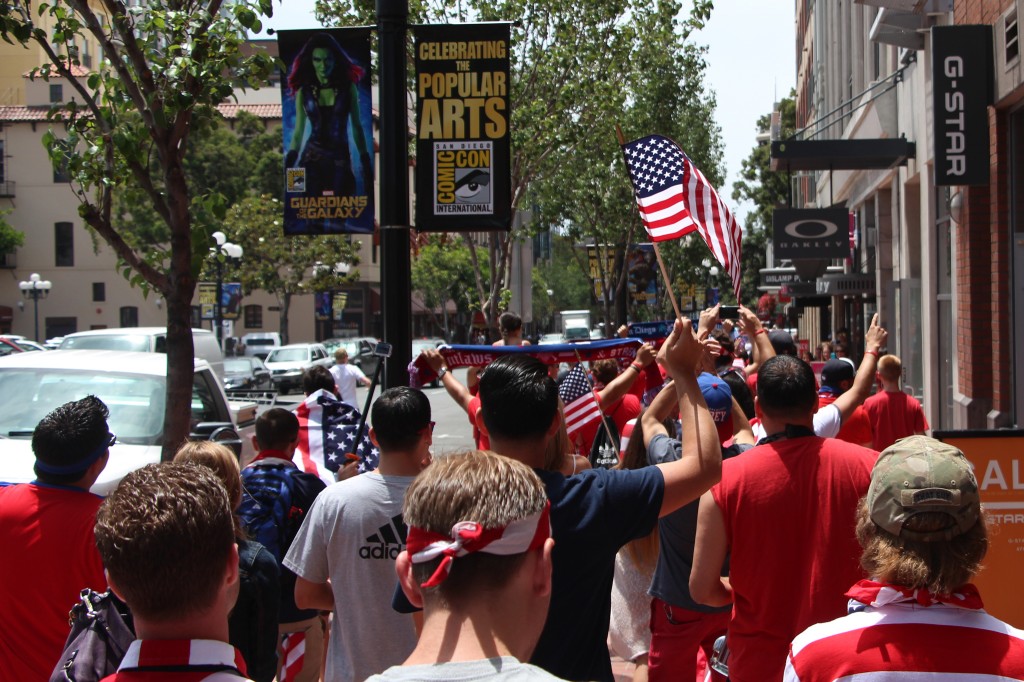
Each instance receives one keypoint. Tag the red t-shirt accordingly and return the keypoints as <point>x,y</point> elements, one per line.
<point>51,555</point>
<point>894,415</point>
<point>856,428</point>
<point>483,441</point>
<point>789,510</point>
<point>620,413</point>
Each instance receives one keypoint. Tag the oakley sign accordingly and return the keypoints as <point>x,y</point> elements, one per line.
<point>811,233</point>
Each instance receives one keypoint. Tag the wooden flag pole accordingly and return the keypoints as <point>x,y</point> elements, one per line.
<point>668,284</point>
<point>657,251</point>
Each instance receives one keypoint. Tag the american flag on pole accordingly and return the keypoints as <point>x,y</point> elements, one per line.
<point>581,405</point>
<point>327,430</point>
<point>675,199</point>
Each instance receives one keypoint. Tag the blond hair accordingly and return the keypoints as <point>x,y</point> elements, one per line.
<point>890,368</point>
<point>940,566</point>
<point>221,461</point>
<point>479,486</point>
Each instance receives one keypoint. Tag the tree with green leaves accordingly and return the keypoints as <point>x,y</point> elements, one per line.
<point>766,189</point>
<point>165,67</point>
<point>284,266</point>
<point>10,238</point>
<point>590,197</point>
<point>570,63</point>
<point>443,271</point>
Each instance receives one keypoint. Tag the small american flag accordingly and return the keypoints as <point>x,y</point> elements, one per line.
<point>580,404</point>
<point>675,199</point>
<point>327,430</point>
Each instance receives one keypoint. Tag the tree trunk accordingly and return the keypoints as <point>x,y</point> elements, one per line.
<point>286,301</point>
<point>180,350</point>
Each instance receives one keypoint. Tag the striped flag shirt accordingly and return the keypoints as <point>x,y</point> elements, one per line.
<point>908,642</point>
<point>581,406</point>
<point>675,199</point>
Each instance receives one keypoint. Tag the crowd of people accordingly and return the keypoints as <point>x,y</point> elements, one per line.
<point>810,523</point>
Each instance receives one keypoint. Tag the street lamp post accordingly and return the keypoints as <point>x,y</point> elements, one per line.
<point>223,249</point>
<point>35,289</point>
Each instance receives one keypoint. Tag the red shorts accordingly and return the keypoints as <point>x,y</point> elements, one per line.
<point>676,636</point>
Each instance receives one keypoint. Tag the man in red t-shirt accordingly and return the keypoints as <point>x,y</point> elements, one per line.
<point>784,511</point>
<point>892,413</point>
<point>46,527</point>
<point>836,379</point>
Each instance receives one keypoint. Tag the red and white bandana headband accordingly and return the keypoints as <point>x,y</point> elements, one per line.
<point>522,535</point>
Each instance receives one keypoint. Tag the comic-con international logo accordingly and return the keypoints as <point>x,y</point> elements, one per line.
<point>295,180</point>
<point>462,178</point>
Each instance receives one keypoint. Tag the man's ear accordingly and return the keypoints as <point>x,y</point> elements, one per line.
<point>255,444</point>
<point>757,408</point>
<point>373,437</point>
<point>542,569</point>
<point>231,571</point>
<point>480,422</point>
<point>113,588</point>
<point>411,588</point>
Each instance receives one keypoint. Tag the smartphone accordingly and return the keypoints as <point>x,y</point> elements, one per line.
<point>729,312</point>
<point>383,350</point>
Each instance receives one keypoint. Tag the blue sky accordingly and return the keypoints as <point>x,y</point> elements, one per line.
<point>751,63</point>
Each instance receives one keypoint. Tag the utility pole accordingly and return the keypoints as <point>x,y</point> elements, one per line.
<point>396,277</point>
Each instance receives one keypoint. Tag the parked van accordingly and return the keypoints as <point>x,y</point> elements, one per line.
<point>259,344</point>
<point>145,340</point>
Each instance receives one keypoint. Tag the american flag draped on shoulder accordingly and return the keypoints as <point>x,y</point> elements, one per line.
<point>581,405</point>
<point>675,199</point>
<point>327,429</point>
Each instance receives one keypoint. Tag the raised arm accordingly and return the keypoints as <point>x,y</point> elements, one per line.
<point>619,386</point>
<point>459,393</point>
<point>752,328</point>
<point>657,412</point>
<point>874,340</point>
<point>700,465</point>
<point>709,550</point>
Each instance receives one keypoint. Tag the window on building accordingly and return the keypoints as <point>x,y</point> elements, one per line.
<point>64,245</point>
<point>3,164</point>
<point>129,316</point>
<point>56,93</point>
<point>1011,36</point>
<point>253,317</point>
<point>99,291</point>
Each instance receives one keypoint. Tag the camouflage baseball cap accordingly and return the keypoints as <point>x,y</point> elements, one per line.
<point>920,474</point>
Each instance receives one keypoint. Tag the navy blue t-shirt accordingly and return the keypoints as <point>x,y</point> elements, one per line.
<point>593,514</point>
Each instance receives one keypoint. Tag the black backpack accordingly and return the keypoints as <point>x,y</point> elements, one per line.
<point>101,631</point>
<point>604,452</point>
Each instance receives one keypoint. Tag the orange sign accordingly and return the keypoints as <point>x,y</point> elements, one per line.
<point>998,459</point>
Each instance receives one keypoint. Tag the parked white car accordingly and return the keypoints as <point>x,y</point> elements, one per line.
<point>145,340</point>
<point>287,363</point>
<point>132,385</point>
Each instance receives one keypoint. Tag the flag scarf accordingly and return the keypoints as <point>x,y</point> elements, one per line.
<point>293,651</point>
<point>581,406</point>
<point>675,199</point>
<point>455,357</point>
<point>327,430</point>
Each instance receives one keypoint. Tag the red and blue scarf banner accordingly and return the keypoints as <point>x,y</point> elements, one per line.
<point>455,357</point>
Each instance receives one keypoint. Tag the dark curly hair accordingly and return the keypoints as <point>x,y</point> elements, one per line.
<point>345,69</point>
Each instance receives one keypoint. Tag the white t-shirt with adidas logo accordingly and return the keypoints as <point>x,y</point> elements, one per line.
<point>352,536</point>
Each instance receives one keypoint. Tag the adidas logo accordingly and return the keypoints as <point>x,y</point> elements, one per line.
<point>387,542</point>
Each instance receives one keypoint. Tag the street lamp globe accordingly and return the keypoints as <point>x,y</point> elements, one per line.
<point>713,271</point>
<point>35,288</point>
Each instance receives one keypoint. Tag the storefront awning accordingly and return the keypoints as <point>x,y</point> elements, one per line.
<point>806,155</point>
